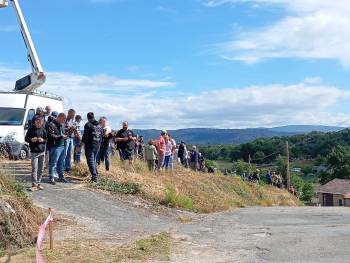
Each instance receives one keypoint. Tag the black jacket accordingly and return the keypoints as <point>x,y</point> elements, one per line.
<point>55,134</point>
<point>36,147</point>
<point>92,136</point>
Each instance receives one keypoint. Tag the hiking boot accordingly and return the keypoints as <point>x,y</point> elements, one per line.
<point>63,180</point>
<point>52,181</point>
<point>34,188</point>
<point>40,187</point>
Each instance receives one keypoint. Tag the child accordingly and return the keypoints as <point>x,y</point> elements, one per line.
<point>150,155</point>
<point>77,139</point>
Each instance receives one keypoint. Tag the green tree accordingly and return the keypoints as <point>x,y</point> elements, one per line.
<point>243,167</point>
<point>308,192</point>
<point>339,162</point>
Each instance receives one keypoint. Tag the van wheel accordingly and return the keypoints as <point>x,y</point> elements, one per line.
<point>24,153</point>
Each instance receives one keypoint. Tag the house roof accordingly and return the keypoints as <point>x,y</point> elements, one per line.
<point>336,186</point>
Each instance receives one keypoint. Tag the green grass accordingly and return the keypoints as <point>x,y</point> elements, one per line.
<point>173,200</point>
<point>117,187</point>
<point>223,164</point>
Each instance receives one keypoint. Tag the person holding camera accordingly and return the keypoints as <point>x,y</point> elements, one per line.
<point>36,137</point>
<point>57,136</point>
<point>70,128</point>
<point>126,140</point>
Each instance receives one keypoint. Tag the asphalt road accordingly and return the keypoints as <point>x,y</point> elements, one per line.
<point>273,234</point>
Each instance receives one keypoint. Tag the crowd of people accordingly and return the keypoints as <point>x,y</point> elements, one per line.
<point>54,138</point>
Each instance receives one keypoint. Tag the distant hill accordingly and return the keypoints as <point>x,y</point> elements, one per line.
<point>203,136</point>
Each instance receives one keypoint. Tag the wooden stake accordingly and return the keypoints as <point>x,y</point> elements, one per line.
<point>288,169</point>
<point>51,231</point>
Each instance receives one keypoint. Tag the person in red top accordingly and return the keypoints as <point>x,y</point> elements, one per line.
<point>161,148</point>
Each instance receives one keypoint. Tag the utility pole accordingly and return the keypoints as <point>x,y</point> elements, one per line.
<point>288,170</point>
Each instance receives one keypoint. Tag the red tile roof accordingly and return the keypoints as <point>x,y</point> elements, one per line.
<point>336,186</point>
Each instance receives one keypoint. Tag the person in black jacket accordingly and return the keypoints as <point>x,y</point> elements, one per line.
<point>57,137</point>
<point>36,137</point>
<point>91,141</point>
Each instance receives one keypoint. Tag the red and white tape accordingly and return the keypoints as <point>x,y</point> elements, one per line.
<point>41,236</point>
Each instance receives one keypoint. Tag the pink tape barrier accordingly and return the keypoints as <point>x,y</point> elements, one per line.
<point>41,236</point>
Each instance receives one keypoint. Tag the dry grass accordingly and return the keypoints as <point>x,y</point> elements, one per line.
<point>195,191</point>
<point>19,218</point>
<point>154,248</point>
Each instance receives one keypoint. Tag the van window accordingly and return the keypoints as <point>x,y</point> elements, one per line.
<point>11,116</point>
<point>30,116</point>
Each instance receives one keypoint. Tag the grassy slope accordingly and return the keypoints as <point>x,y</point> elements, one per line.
<point>195,191</point>
<point>20,220</point>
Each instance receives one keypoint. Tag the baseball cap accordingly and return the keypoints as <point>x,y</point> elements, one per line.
<point>54,114</point>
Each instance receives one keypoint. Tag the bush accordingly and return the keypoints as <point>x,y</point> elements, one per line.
<point>173,200</point>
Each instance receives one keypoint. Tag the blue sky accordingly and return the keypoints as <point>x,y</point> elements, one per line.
<point>189,63</point>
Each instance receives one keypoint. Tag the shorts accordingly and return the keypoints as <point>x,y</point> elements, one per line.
<point>126,154</point>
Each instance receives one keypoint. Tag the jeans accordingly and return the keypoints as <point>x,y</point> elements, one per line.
<point>91,155</point>
<point>167,162</point>
<point>57,155</point>
<point>77,153</point>
<point>68,147</point>
<point>104,156</point>
<point>160,160</point>
<point>38,162</point>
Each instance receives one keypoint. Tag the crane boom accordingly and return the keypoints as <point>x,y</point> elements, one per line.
<point>37,78</point>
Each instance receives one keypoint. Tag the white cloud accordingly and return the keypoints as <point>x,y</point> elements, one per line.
<point>145,107</point>
<point>8,28</point>
<point>313,29</point>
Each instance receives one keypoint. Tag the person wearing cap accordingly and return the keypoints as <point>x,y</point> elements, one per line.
<point>194,158</point>
<point>56,134</point>
<point>36,137</point>
<point>126,140</point>
<point>161,148</point>
<point>91,141</point>
<point>39,113</point>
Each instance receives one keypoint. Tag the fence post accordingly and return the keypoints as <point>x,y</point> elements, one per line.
<point>51,231</point>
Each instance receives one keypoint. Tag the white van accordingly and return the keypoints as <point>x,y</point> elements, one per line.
<point>16,113</point>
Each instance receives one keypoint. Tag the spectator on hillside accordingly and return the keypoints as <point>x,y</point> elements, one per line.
<point>56,135</point>
<point>69,144</point>
<point>39,113</point>
<point>140,147</point>
<point>150,154</point>
<point>194,158</point>
<point>77,139</point>
<point>181,153</point>
<point>47,114</point>
<point>105,151</point>
<point>36,137</point>
<point>268,177</point>
<point>49,143</point>
<point>126,143</point>
<point>173,148</point>
<point>201,161</point>
<point>161,148</point>
<point>168,149</point>
<point>91,142</point>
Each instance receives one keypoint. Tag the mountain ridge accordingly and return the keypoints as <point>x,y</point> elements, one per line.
<point>204,136</point>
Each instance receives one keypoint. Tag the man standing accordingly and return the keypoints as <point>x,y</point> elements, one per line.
<point>194,158</point>
<point>69,144</point>
<point>47,114</point>
<point>126,143</point>
<point>57,137</point>
<point>104,153</point>
<point>39,113</point>
<point>36,137</point>
<point>91,141</point>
